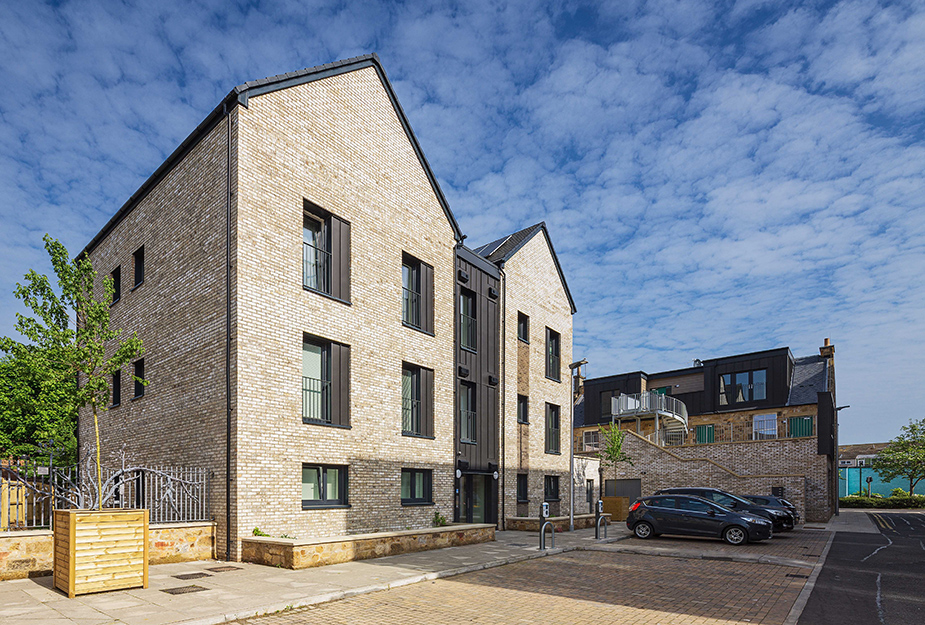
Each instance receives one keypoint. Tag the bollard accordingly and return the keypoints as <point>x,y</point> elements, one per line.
<point>552,533</point>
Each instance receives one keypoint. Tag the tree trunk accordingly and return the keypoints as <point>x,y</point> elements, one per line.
<point>99,469</point>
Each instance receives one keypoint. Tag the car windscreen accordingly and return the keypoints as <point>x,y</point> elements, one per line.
<point>697,505</point>
<point>727,500</point>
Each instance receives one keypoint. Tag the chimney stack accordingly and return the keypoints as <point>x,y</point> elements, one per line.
<point>827,350</point>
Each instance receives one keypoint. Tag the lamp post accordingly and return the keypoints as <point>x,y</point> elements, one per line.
<point>837,510</point>
<point>575,368</point>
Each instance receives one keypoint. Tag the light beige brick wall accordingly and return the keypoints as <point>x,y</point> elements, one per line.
<point>179,314</point>
<point>338,143</point>
<point>533,287</point>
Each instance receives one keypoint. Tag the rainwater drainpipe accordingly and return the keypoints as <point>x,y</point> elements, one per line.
<point>227,113</point>
<point>503,376</point>
<point>571,450</point>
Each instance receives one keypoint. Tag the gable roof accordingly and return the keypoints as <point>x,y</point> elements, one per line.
<point>501,250</point>
<point>240,96</point>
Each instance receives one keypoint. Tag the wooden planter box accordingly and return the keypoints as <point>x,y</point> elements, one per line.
<point>100,550</point>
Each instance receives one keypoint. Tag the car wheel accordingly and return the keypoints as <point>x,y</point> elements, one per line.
<point>735,535</point>
<point>643,530</point>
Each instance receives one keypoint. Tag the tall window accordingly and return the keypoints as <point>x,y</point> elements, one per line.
<point>522,488</point>
<point>138,259</point>
<point>416,487</point>
<point>411,422</point>
<point>468,330</point>
<point>139,375</point>
<point>553,347</point>
<point>467,412</point>
<point>552,429</point>
<point>117,387</point>
<point>323,486</point>
<point>551,488</point>
<point>316,381</point>
<point>523,409</point>
<point>325,252</point>
<point>764,426</point>
<point>411,292</point>
<point>523,327</point>
<point>116,276</point>
<point>743,387</point>
<point>316,254</point>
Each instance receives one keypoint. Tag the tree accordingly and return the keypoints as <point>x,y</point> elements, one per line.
<point>72,331</point>
<point>37,405</point>
<point>904,457</point>
<point>611,452</point>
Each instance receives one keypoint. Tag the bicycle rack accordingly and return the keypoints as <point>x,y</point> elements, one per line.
<point>552,531</point>
<point>597,530</point>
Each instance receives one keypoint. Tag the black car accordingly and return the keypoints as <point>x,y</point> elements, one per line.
<point>770,501</point>
<point>693,516</point>
<point>783,521</point>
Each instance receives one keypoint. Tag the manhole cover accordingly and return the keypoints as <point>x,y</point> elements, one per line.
<point>186,576</point>
<point>182,590</point>
<point>796,575</point>
<point>224,569</point>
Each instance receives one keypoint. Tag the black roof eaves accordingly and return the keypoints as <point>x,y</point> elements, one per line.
<point>608,378</point>
<point>240,95</point>
<point>677,372</point>
<point>541,227</point>
<point>751,355</point>
<point>471,257</point>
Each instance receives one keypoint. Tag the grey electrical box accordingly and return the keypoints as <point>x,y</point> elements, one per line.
<point>545,510</point>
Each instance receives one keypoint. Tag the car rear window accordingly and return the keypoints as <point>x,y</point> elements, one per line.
<point>694,505</point>
<point>760,500</point>
<point>661,502</point>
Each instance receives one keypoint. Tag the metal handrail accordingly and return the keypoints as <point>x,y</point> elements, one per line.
<point>316,399</point>
<point>648,403</point>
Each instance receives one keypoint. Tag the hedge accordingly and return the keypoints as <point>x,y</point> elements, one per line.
<point>882,502</point>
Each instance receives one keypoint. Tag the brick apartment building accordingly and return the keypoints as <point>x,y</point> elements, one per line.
<point>749,423</point>
<point>315,330</point>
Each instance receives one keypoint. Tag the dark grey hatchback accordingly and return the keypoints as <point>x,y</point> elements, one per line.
<point>694,516</point>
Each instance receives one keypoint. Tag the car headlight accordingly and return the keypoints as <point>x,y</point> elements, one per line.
<point>751,519</point>
<point>778,513</point>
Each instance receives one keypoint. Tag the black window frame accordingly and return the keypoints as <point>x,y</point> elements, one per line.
<point>412,300</point>
<point>342,484</point>
<point>427,497</point>
<point>553,428</point>
<point>116,388</point>
<point>322,386</point>
<point>523,327</point>
<point>468,324</point>
<point>116,276</point>
<point>726,391</point>
<point>138,372</point>
<point>523,409</point>
<point>330,258</point>
<point>551,487</point>
<point>553,355</point>
<point>523,492</point>
<point>138,265</point>
<point>469,418</point>
<point>416,406</point>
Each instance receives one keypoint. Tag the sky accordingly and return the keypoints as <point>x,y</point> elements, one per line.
<point>717,177</point>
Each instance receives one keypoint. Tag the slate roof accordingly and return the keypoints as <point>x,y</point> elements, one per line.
<point>239,97</point>
<point>809,377</point>
<point>580,411</point>
<point>500,250</point>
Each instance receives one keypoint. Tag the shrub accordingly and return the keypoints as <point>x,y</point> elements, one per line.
<point>898,492</point>
<point>440,520</point>
<point>259,532</point>
<point>883,502</point>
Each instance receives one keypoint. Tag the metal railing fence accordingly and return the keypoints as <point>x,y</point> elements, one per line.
<point>316,399</point>
<point>770,429</point>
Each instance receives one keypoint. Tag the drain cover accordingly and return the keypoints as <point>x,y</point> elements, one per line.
<point>518,544</point>
<point>796,575</point>
<point>183,590</point>
<point>224,569</point>
<point>186,576</point>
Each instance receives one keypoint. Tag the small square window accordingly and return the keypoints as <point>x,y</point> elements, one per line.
<point>551,488</point>
<point>523,409</point>
<point>323,486</point>
<point>139,261</point>
<point>116,276</point>
<point>523,327</point>
<point>416,487</point>
<point>522,488</point>
<point>139,375</point>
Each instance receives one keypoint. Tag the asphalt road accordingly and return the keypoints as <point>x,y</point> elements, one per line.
<point>873,579</point>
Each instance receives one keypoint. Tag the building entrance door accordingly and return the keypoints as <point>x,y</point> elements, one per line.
<point>475,500</point>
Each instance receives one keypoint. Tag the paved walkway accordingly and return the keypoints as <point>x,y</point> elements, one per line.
<point>852,520</point>
<point>247,589</point>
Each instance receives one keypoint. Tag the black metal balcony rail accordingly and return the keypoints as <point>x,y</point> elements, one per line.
<point>316,268</point>
<point>316,400</point>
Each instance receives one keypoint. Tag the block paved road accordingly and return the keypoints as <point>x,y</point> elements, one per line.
<point>578,587</point>
<point>873,578</point>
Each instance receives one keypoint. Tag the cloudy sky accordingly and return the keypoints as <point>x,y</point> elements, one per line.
<point>718,177</point>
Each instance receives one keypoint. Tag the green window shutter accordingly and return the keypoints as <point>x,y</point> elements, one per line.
<point>705,434</point>
<point>800,427</point>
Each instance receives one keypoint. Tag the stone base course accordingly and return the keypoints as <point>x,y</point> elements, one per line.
<point>30,553</point>
<point>560,523</point>
<point>295,553</point>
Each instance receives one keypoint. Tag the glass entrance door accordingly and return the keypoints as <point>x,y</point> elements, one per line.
<point>475,499</point>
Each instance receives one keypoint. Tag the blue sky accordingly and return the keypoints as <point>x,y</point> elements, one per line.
<point>717,177</point>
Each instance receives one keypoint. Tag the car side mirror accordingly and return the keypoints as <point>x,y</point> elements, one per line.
<point>712,512</point>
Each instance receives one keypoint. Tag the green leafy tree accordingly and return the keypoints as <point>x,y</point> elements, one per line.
<point>71,327</point>
<point>611,452</point>
<point>37,405</point>
<point>904,457</point>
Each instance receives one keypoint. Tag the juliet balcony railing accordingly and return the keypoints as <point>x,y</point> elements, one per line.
<point>316,268</point>
<point>411,416</point>
<point>316,400</point>
<point>467,426</point>
<point>411,307</point>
